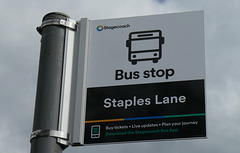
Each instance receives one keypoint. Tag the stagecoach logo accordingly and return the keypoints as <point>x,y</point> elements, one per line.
<point>101,28</point>
<point>145,45</point>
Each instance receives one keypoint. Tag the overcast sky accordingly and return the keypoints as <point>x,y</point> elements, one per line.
<point>19,57</point>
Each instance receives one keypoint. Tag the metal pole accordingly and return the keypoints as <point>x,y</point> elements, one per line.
<point>48,97</point>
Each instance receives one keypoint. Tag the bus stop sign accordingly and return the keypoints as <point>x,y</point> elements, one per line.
<point>145,79</point>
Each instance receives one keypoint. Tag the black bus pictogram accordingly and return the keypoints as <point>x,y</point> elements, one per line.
<point>145,45</point>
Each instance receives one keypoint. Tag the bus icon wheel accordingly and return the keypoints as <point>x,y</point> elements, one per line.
<point>134,62</point>
<point>155,60</point>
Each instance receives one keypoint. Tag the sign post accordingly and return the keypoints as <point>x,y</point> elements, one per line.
<point>50,134</point>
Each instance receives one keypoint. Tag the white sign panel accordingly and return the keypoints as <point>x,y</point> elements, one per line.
<point>142,75</point>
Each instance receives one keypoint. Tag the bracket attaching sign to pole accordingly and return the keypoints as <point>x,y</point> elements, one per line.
<point>69,23</point>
